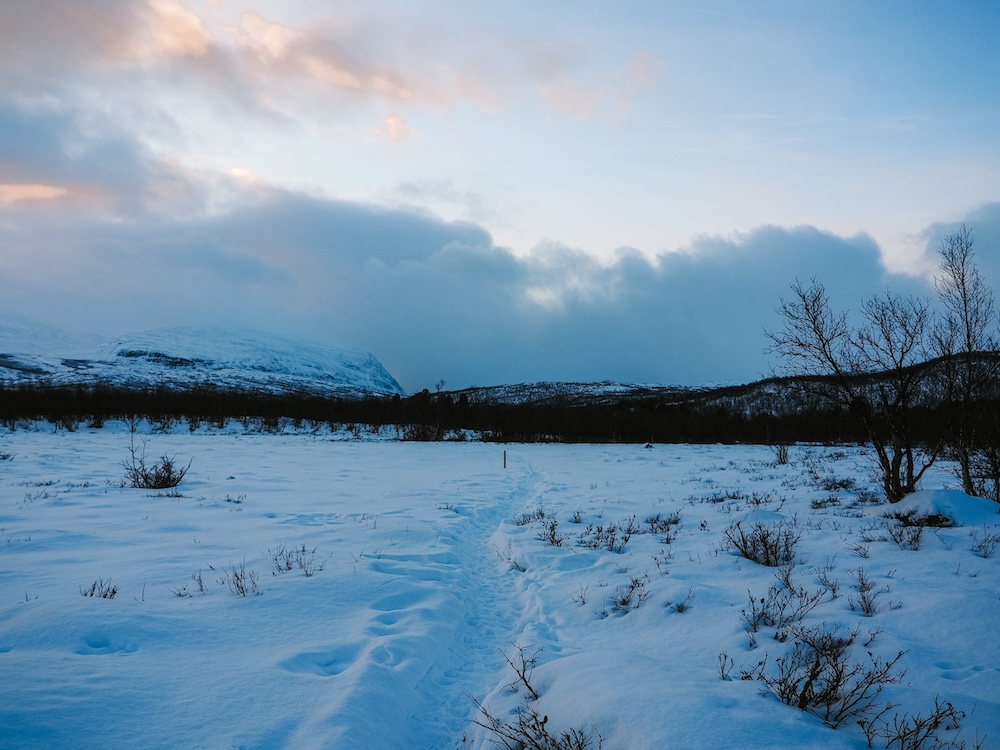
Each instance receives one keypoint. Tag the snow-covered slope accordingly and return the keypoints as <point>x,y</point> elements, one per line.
<point>572,394</point>
<point>189,357</point>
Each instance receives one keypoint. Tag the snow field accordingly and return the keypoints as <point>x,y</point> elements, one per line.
<point>428,561</point>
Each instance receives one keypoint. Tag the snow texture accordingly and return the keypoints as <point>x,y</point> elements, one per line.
<point>190,357</point>
<point>427,562</point>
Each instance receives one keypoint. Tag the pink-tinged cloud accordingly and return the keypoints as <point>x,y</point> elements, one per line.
<point>583,101</point>
<point>16,192</point>
<point>394,129</point>
<point>261,64</point>
<point>173,29</point>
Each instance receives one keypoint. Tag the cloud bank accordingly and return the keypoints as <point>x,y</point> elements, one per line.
<point>138,243</point>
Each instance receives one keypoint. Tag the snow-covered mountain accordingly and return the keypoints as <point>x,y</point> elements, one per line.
<point>188,357</point>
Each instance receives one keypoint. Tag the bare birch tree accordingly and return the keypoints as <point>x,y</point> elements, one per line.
<point>871,370</point>
<point>965,340</point>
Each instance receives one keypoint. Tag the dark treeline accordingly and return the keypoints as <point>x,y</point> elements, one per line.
<point>761,413</point>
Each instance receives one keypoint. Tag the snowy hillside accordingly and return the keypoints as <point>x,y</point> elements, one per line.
<point>571,394</point>
<point>189,357</point>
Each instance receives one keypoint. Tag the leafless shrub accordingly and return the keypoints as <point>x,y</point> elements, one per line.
<point>664,524</point>
<point>876,532</point>
<point>824,579</point>
<point>523,519</point>
<point>985,545</point>
<point>771,544</point>
<point>914,518</point>
<point>161,475</point>
<point>684,604</point>
<point>241,581</point>
<point>869,497</point>
<point>283,559</point>
<point>865,600</point>
<point>529,731</point>
<point>507,555</point>
<point>907,537</point>
<point>529,728</point>
<point>817,676</point>
<point>916,731</point>
<point>726,664</point>
<point>183,590</point>
<point>306,561</point>
<point>550,532</point>
<point>781,454</point>
<point>782,605</point>
<point>828,502</point>
<point>661,561</point>
<point>100,589</point>
<point>613,536</point>
<point>524,668</point>
<point>630,596</point>
<point>286,559</point>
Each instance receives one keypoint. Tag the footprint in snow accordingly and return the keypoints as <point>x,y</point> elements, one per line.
<point>327,663</point>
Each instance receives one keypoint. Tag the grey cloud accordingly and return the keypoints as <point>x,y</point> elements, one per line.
<point>984,222</point>
<point>435,299</point>
<point>97,161</point>
<point>43,39</point>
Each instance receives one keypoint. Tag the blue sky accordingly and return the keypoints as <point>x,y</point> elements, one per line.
<point>487,193</point>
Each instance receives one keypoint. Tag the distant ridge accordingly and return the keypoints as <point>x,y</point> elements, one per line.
<point>186,358</point>
<point>575,394</point>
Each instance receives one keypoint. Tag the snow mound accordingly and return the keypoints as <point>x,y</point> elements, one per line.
<point>962,509</point>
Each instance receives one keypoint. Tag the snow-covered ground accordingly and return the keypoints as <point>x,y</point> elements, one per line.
<point>431,562</point>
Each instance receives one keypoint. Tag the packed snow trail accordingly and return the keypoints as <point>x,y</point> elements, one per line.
<point>401,621</point>
<point>443,608</point>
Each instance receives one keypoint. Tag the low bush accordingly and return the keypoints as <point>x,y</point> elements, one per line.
<point>613,536</point>
<point>865,600</point>
<point>631,595</point>
<point>523,519</point>
<point>916,731</point>
<point>770,544</point>
<point>161,475</point>
<point>241,581</point>
<point>286,559</point>
<point>684,604</point>
<point>907,537</point>
<point>783,605</point>
<point>100,589</point>
<point>817,676</point>
<point>550,533</point>
<point>986,544</point>
<point>664,524</point>
<point>529,728</point>
<point>914,518</point>
<point>780,454</point>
